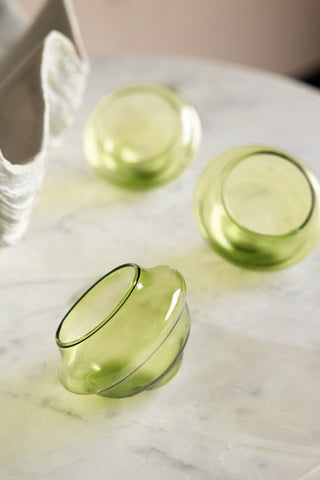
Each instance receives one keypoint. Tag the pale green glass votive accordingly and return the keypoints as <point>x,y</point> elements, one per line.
<point>258,207</point>
<point>142,136</point>
<point>126,334</point>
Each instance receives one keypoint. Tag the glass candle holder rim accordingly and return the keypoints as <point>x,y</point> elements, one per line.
<point>304,170</point>
<point>123,300</point>
<point>248,248</point>
<point>125,297</point>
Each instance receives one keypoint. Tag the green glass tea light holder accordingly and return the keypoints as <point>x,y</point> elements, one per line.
<point>142,136</point>
<point>126,334</point>
<point>258,207</point>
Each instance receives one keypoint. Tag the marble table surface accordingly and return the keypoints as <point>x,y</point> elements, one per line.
<point>246,402</point>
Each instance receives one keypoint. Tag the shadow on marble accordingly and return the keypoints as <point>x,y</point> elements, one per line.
<point>68,199</point>
<point>37,397</point>
<point>85,190</point>
<point>205,270</point>
<point>242,396</point>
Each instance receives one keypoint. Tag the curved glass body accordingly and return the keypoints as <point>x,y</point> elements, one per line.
<point>258,207</point>
<point>126,334</point>
<point>141,136</point>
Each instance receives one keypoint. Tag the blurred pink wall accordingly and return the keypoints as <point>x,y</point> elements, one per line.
<point>280,35</point>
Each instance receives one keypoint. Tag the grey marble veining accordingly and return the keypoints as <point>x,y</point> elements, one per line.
<point>245,404</point>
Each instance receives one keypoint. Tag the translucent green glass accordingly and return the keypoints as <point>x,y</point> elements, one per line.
<point>258,207</point>
<point>126,334</point>
<point>141,136</point>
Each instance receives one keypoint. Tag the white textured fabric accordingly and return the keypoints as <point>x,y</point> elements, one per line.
<point>42,80</point>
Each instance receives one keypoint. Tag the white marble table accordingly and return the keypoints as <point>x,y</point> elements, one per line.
<point>246,402</point>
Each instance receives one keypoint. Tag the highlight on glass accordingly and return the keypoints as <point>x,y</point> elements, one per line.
<point>141,136</point>
<point>126,334</point>
<point>258,207</point>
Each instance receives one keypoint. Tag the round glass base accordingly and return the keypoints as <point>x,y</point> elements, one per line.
<point>141,136</point>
